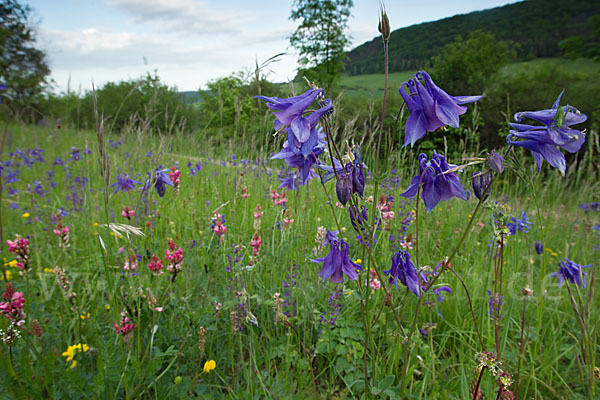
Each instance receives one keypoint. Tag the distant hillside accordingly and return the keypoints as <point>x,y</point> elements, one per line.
<point>534,27</point>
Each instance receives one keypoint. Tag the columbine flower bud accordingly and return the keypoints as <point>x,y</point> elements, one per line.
<point>384,26</point>
<point>480,183</point>
<point>496,161</point>
<point>343,188</point>
<point>539,248</point>
<point>358,179</point>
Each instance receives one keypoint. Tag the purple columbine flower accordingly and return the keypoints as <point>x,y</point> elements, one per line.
<point>289,112</point>
<point>555,132</point>
<point>124,183</point>
<point>306,140</point>
<point>539,248</point>
<point>288,182</point>
<point>521,225</point>
<point>403,269</point>
<point>337,262</point>
<point>2,87</point>
<point>438,184</point>
<point>160,179</point>
<point>430,107</point>
<point>571,272</point>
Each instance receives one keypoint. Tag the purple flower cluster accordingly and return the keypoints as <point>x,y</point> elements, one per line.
<point>430,107</point>
<point>335,305</point>
<point>438,184</point>
<point>305,139</point>
<point>572,272</point>
<point>521,225</point>
<point>337,262</point>
<point>555,132</point>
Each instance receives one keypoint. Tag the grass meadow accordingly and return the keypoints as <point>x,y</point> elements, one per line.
<point>228,317</point>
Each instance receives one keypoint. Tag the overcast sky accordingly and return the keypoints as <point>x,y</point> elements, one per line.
<point>190,42</point>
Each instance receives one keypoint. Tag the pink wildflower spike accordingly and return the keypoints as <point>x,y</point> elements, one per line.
<point>20,246</point>
<point>155,265</point>
<point>245,193</point>
<point>175,176</point>
<point>127,212</point>
<point>255,242</point>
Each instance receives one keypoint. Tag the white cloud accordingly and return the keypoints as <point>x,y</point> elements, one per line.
<point>93,53</point>
<point>186,17</point>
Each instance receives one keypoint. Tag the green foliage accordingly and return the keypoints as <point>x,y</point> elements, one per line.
<point>228,107</point>
<point>464,67</point>
<point>145,103</point>
<point>536,26</point>
<point>576,46</point>
<point>320,38</point>
<point>23,67</point>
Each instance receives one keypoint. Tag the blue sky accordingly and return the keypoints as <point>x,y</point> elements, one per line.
<point>190,42</point>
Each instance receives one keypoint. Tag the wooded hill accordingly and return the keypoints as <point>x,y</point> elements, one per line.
<point>533,27</point>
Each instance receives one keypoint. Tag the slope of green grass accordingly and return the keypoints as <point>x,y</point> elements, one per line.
<point>371,85</point>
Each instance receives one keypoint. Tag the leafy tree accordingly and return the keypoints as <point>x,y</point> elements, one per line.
<point>576,46</point>
<point>465,66</point>
<point>142,104</point>
<point>23,67</point>
<point>320,38</point>
<point>229,102</point>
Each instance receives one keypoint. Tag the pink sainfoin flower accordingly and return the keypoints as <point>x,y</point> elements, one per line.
<point>175,176</point>
<point>255,242</point>
<point>155,265</point>
<point>287,219</point>
<point>218,225</point>
<point>20,246</point>
<point>128,212</point>
<point>257,217</point>
<point>279,199</point>
<point>245,193</point>
<point>374,281</point>
<point>124,326</point>
<point>12,308</point>
<point>62,231</point>
<point>385,207</point>
<point>174,259</point>
<point>130,263</point>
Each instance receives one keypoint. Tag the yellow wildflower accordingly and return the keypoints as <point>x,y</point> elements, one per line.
<point>74,349</point>
<point>84,316</point>
<point>358,261</point>
<point>48,270</point>
<point>209,366</point>
<point>25,215</point>
<point>8,274</point>
<point>11,264</point>
<point>95,224</point>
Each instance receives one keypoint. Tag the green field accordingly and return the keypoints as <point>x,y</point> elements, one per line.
<point>221,306</point>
